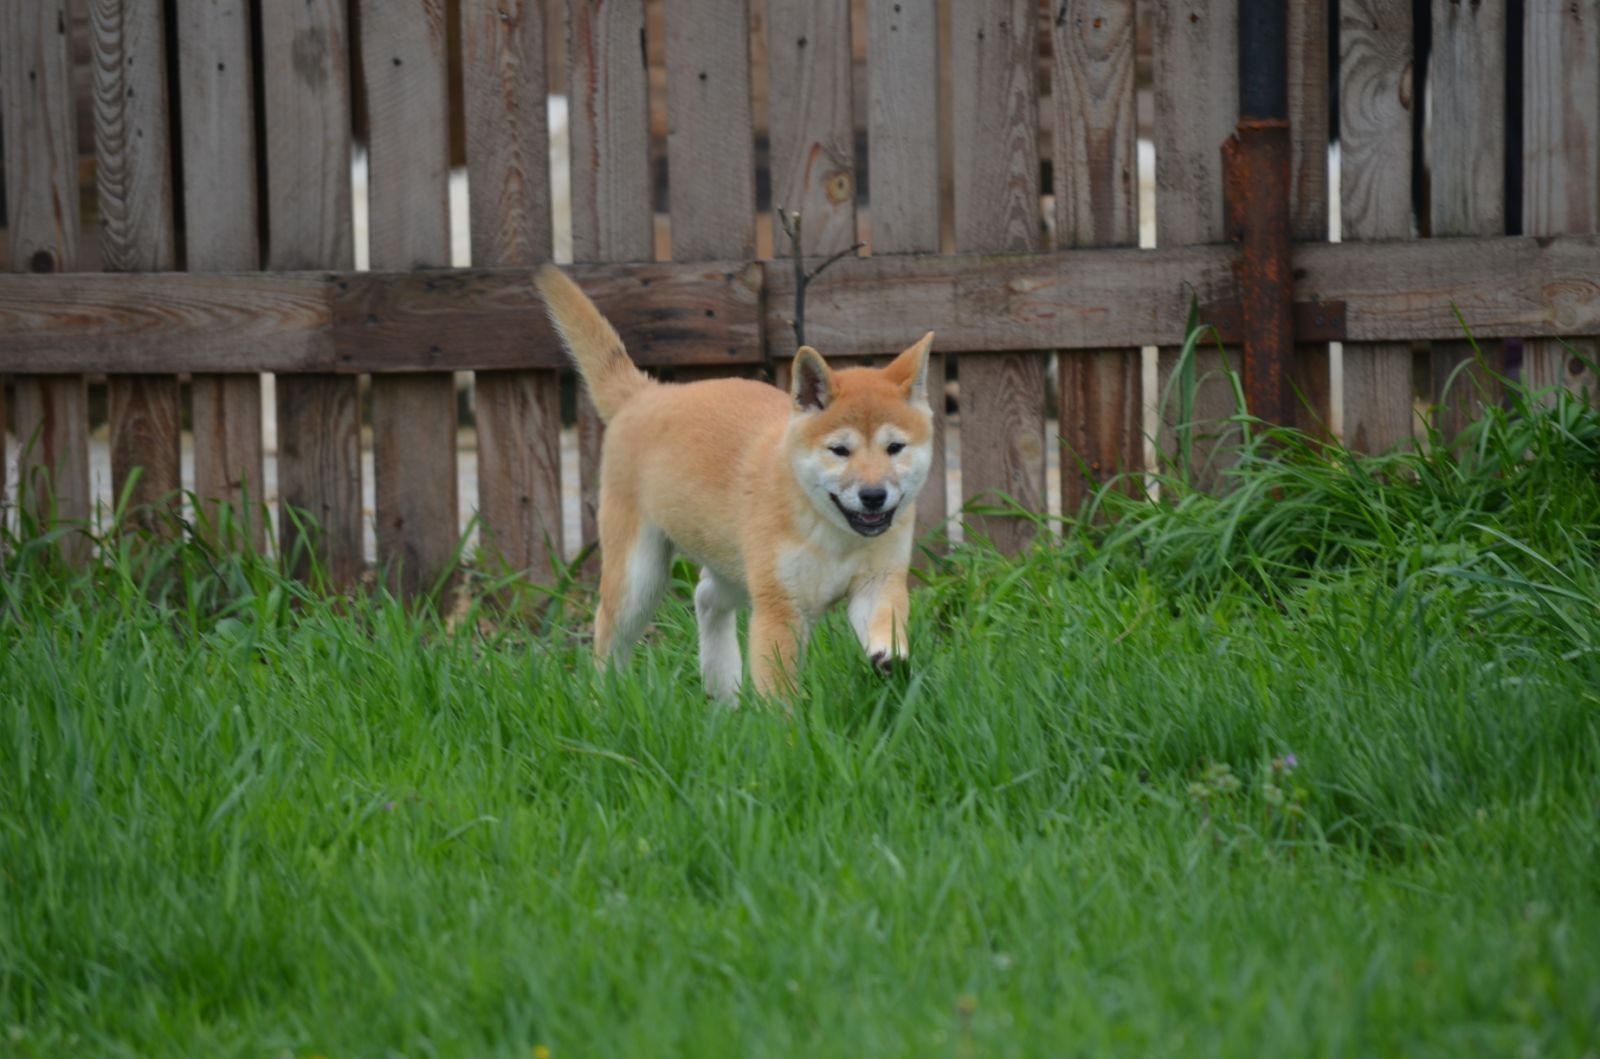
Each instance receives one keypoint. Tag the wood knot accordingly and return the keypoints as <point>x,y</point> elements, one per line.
<point>42,261</point>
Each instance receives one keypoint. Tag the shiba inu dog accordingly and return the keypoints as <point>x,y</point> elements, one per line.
<point>789,502</point>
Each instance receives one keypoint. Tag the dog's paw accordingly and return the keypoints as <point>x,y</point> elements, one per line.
<point>888,664</point>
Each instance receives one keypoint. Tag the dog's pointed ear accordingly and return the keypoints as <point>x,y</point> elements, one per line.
<point>812,384</point>
<point>910,370</point>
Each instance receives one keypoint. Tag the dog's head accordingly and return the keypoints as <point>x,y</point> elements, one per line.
<point>861,439</point>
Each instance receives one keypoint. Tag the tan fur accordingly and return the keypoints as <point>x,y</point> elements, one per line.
<point>738,476</point>
<point>612,378</point>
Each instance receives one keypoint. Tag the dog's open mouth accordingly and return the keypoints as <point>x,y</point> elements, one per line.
<point>866,523</point>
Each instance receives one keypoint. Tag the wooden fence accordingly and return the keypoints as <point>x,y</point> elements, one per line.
<point>998,190</point>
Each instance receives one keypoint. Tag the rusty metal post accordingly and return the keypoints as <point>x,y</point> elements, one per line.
<point>1256,171</point>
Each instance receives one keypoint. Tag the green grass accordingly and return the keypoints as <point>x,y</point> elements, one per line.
<point>240,819</point>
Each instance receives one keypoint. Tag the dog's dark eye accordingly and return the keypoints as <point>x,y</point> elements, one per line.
<point>895,447</point>
<point>839,451</point>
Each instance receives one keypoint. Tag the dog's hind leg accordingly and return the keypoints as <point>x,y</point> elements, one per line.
<point>635,560</point>
<point>716,605</point>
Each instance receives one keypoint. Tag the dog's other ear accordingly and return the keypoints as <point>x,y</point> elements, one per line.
<point>812,386</point>
<point>910,370</point>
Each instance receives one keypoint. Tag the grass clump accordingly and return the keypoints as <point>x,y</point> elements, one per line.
<point>1307,767</point>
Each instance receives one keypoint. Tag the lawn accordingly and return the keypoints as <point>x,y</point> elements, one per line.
<point>1310,769</point>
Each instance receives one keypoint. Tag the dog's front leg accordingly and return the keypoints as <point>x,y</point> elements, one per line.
<point>777,636</point>
<point>879,608</point>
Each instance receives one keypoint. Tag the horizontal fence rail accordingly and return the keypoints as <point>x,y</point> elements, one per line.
<point>709,314</point>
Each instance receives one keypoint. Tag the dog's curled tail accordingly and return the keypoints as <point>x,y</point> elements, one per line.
<point>594,345</point>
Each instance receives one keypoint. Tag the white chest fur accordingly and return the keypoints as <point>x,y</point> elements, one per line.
<point>818,571</point>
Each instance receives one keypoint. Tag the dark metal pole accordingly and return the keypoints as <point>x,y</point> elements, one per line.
<point>1256,165</point>
<point>1263,59</point>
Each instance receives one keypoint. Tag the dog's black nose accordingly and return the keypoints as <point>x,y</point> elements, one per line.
<point>872,499</point>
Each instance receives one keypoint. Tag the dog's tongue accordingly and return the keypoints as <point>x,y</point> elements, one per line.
<point>873,517</point>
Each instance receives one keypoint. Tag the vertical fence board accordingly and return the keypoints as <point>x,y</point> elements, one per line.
<point>229,464</point>
<point>1375,127</point>
<point>133,151</point>
<point>994,44</point>
<point>145,413</point>
<point>219,221</point>
<point>612,215</point>
<point>307,111</point>
<point>1466,147</point>
<point>903,152</point>
<point>903,125</point>
<point>508,163</point>
<point>403,54</point>
<point>710,143</point>
<point>810,101</point>
<point>52,411</point>
<point>1308,199</point>
<point>710,136</point>
<point>1196,56</point>
<point>1561,156</point>
<point>813,142</point>
<point>1097,204</point>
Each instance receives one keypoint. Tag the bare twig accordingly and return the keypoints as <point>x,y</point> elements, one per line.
<point>846,252</point>
<point>790,220</point>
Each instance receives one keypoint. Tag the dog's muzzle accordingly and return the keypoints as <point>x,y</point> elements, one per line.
<point>866,523</point>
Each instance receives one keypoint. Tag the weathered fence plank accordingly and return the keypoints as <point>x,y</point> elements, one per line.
<point>711,138</point>
<point>52,411</point>
<point>995,128</point>
<point>518,413</point>
<point>1074,299</point>
<point>1375,128</point>
<point>133,153</point>
<point>1196,56</point>
<point>1561,157</point>
<point>1097,204</point>
<point>1393,291</point>
<point>404,59</point>
<point>1308,198</point>
<point>219,211</point>
<point>809,114</point>
<point>988,304</point>
<point>903,125</point>
<point>612,214</point>
<point>903,152</point>
<point>1466,163</point>
<point>350,322</point>
<point>307,111</point>
<point>710,145</point>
